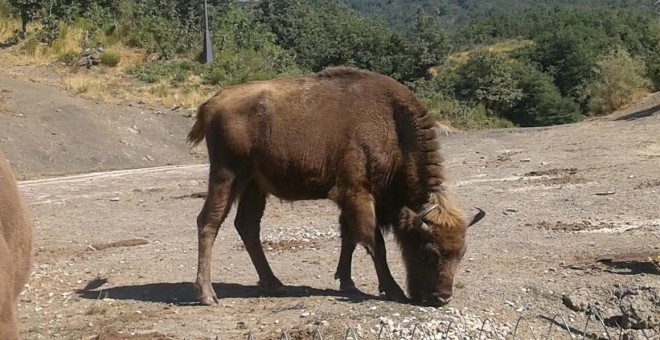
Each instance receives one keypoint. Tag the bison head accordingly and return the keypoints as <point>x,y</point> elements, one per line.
<point>433,244</point>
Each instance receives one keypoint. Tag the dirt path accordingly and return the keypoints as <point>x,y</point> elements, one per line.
<point>46,131</point>
<point>568,207</point>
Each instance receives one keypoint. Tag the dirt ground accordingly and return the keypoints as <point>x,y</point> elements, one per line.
<point>567,207</point>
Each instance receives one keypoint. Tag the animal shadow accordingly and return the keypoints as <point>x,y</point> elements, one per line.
<point>183,293</point>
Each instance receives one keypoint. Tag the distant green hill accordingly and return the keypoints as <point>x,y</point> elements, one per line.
<point>455,14</point>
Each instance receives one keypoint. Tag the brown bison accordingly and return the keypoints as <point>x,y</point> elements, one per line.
<point>355,137</point>
<point>15,250</point>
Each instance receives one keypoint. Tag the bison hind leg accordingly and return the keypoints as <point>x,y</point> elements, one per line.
<point>216,207</point>
<point>251,206</point>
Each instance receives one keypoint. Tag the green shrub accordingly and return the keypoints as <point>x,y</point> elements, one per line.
<point>619,80</point>
<point>541,103</point>
<point>69,57</point>
<point>175,72</point>
<point>487,78</point>
<point>462,116</point>
<point>110,58</point>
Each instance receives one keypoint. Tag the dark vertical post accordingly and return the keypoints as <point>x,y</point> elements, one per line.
<point>207,53</point>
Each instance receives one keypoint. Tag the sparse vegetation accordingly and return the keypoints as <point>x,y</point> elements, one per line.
<point>110,58</point>
<point>619,80</point>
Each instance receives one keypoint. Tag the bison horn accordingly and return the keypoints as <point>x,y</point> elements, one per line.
<point>419,219</point>
<point>478,216</point>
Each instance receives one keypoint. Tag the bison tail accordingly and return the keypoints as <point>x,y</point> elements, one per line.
<point>196,134</point>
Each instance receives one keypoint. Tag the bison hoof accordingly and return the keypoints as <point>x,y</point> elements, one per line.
<point>271,286</point>
<point>350,289</point>
<point>395,294</point>
<point>208,300</point>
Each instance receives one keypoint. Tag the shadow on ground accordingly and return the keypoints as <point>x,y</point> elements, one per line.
<point>641,114</point>
<point>630,263</point>
<point>182,293</point>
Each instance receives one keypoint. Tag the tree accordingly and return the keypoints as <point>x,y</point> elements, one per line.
<point>429,45</point>
<point>28,10</point>
<point>541,103</point>
<point>487,78</point>
<point>569,56</point>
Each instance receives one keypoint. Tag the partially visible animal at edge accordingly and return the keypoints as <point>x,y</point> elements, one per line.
<point>15,250</point>
<point>355,137</point>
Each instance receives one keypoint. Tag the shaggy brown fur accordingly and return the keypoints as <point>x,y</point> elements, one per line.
<point>358,138</point>
<point>15,250</point>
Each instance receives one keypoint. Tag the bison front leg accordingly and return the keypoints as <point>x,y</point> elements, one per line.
<point>210,219</point>
<point>361,223</point>
<point>251,207</point>
<point>343,273</point>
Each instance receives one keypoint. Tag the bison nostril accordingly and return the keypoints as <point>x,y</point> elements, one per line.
<point>441,298</point>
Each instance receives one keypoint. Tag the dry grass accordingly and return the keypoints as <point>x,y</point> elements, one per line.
<point>93,86</point>
<point>501,47</point>
<point>112,86</point>
<point>509,45</point>
<point>190,95</point>
<point>104,84</point>
<point>7,28</point>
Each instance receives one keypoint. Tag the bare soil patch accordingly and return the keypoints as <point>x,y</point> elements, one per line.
<point>649,183</point>
<point>113,334</point>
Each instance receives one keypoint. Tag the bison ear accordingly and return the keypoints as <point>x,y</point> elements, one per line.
<point>477,217</point>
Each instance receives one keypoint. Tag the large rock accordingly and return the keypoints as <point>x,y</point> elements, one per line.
<point>640,308</point>
<point>625,307</point>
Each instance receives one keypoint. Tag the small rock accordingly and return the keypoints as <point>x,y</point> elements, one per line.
<point>114,199</point>
<point>525,160</point>
<point>604,193</point>
<point>304,314</point>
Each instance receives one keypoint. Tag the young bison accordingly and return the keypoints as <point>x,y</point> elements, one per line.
<point>357,138</point>
<point>15,250</point>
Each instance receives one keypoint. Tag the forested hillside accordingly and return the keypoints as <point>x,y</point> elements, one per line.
<point>455,14</point>
<point>498,63</point>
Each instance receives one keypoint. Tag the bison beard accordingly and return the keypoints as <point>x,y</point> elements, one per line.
<point>357,138</point>
<point>15,250</point>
